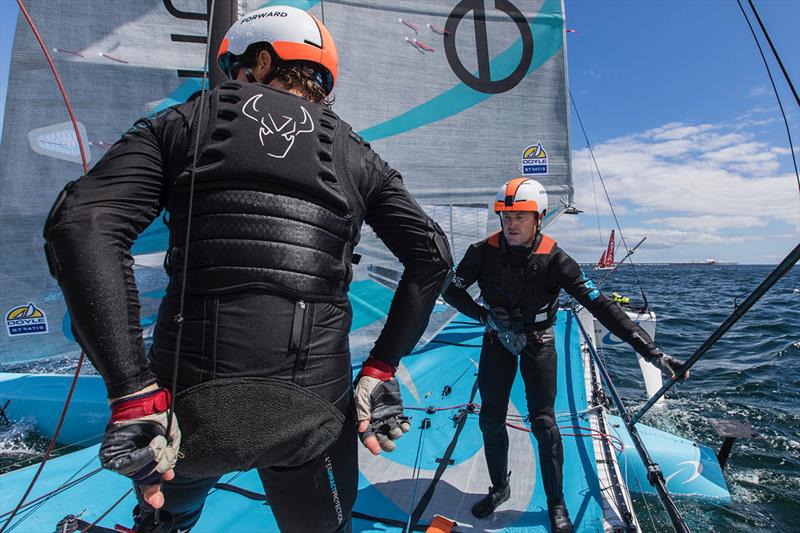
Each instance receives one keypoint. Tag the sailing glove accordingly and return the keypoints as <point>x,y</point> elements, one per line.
<point>668,365</point>
<point>498,320</point>
<point>377,396</point>
<point>136,444</point>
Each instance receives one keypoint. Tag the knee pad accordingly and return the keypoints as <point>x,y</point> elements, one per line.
<point>547,434</point>
<point>492,421</point>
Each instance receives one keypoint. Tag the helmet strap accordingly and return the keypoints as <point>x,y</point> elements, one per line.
<point>248,72</point>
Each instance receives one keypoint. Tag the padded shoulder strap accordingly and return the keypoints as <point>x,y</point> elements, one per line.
<point>546,245</point>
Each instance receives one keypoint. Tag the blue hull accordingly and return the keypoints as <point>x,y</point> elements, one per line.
<point>385,483</point>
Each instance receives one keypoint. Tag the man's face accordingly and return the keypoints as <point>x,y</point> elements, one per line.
<point>519,227</point>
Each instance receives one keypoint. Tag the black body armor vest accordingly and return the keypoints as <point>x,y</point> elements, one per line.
<point>521,289</point>
<point>275,205</point>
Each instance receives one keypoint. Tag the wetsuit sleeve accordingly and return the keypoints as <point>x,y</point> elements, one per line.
<point>420,245</point>
<point>467,273</point>
<point>567,274</point>
<point>88,236</point>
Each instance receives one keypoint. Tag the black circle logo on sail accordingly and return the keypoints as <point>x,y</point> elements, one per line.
<point>484,82</point>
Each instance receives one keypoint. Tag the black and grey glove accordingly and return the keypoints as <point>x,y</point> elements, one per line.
<point>498,319</point>
<point>378,400</point>
<point>512,341</point>
<point>668,365</point>
<point>136,444</point>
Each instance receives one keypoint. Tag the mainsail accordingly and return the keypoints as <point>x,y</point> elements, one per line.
<point>607,259</point>
<point>458,96</point>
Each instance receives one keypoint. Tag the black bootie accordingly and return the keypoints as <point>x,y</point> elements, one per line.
<point>492,501</point>
<point>559,519</point>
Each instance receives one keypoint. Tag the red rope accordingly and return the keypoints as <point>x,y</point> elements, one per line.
<point>615,441</point>
<point>82,357</point>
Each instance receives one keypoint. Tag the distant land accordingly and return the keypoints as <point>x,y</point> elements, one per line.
<point>668,263</point>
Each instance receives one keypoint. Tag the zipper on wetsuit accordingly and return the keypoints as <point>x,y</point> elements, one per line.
<point>295,342</point>
<point>300,345</point>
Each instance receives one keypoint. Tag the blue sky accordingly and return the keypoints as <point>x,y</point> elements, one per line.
<point>683,122</point>
<point>685,128</point>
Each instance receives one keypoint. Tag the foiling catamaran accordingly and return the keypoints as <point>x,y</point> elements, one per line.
<point>457,122</point>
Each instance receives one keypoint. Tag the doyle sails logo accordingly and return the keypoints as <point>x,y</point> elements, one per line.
<point>26,320</point>
<point>534,160</point>
<point>285,130</point>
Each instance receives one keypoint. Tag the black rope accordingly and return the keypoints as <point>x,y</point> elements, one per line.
<point>179,317</point>
<point>603,183</point>
<point>443,463</point>
<point>772,81</point>
<point>426,423</point>
<point>460,344</point>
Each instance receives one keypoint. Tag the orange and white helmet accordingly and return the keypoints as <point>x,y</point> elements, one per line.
<point>521,194</point>
<point>293,34</point>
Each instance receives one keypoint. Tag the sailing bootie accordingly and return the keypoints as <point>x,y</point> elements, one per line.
<point>559,519</point>
<point>492,501</point>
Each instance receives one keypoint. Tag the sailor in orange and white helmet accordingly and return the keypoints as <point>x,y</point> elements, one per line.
<point>521,272</point>
<point>264,377</point>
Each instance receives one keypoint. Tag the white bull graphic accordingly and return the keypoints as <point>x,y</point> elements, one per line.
<point>288,128</point>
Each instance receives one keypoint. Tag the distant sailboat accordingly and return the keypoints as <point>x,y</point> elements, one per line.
<point>607,259</point>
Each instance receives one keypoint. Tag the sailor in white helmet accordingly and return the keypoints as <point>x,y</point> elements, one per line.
<point>521,272</point>
<point>264,376</point>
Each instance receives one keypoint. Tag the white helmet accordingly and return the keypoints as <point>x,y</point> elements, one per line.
<point>293,34</point>
<point>521,194</point>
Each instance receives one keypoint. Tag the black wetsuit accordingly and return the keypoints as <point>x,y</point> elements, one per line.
<point>276,216</point>
<point>527,282</point>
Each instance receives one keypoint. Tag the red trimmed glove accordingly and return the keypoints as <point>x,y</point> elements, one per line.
<point>377,396</point>
<point>135,444</point>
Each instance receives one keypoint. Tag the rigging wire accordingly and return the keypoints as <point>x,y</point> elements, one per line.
<point>596,208</point>
<point>602,182</point>
<point>774,51</point>
<point>48,495</point>
<point>772,81</point>
<point>91,526</point>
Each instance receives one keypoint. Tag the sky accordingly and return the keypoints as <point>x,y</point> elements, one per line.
<point>685,128</point>
<point>683,123</point>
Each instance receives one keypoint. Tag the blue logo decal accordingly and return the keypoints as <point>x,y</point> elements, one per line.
<point>26,320</point>
<point>534,160</point>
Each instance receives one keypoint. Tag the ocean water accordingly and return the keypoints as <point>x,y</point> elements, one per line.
<point>752,373</point>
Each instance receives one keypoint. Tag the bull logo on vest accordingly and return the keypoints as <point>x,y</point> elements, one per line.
<point>277,135</point>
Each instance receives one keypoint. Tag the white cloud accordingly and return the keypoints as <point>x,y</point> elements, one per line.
<point>703,176</point>
<point>758,90</point>
<point>687,187</point>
